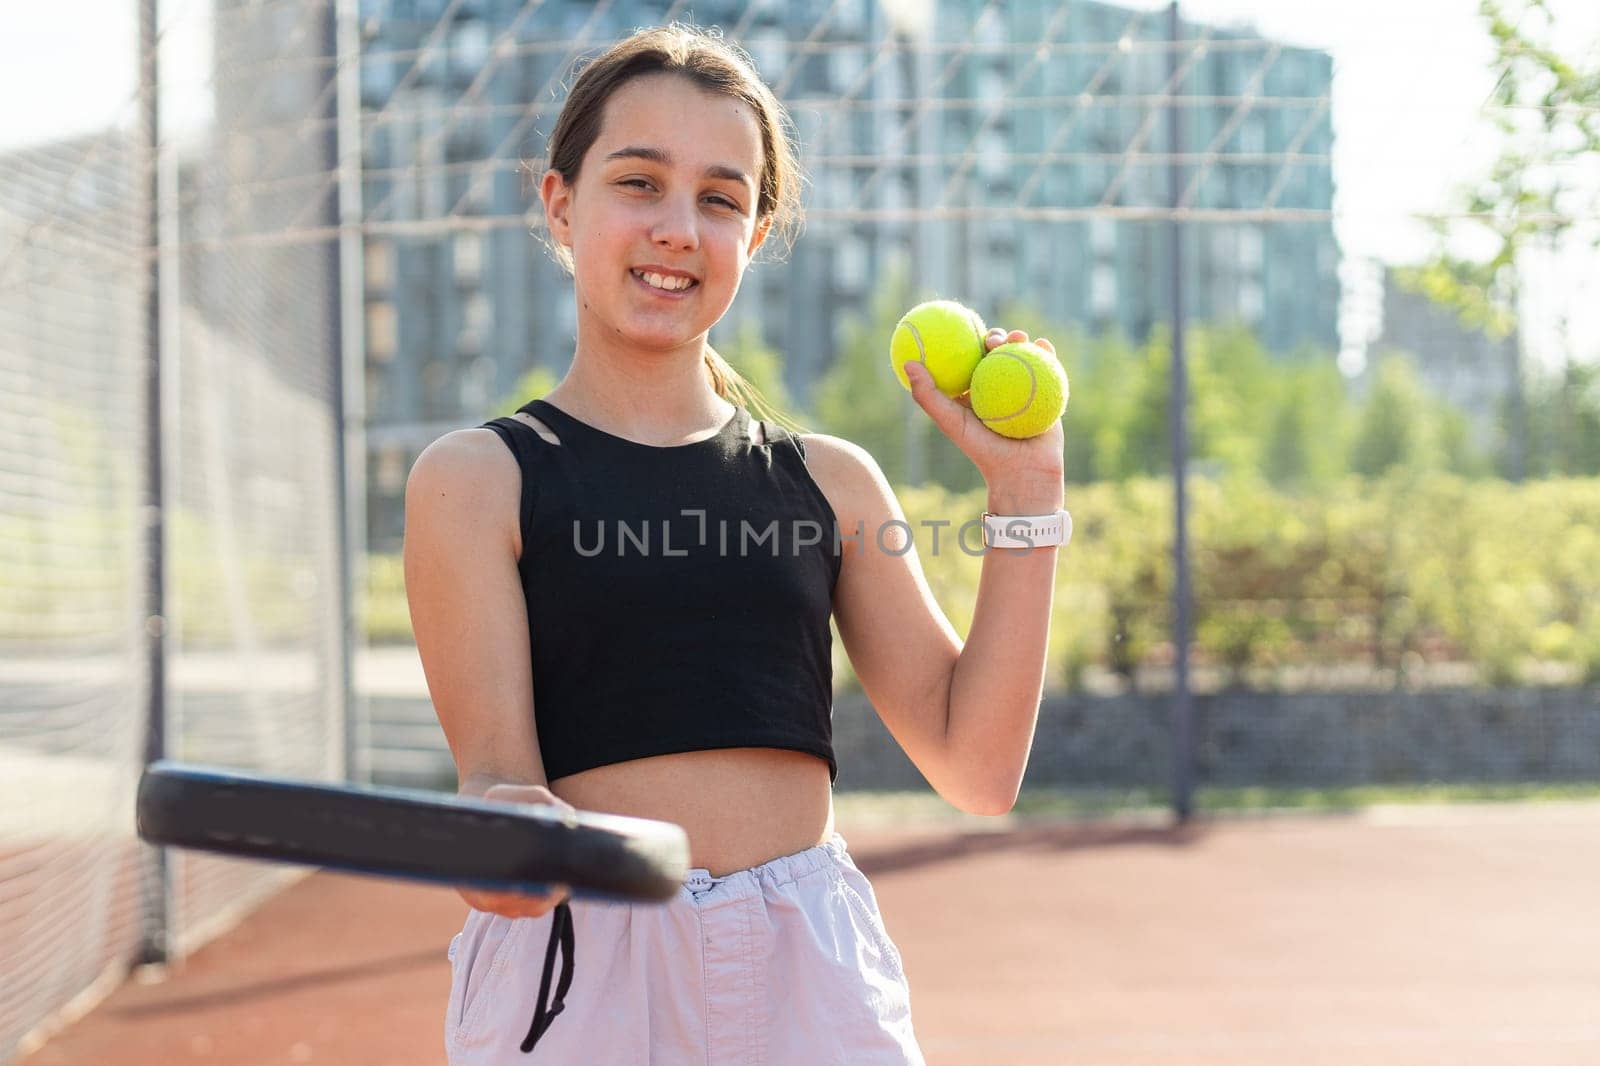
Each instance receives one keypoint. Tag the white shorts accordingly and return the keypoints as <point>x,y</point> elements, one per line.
<point>783,964</point>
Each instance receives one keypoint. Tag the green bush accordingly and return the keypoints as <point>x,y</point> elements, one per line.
<point>1403,568</point>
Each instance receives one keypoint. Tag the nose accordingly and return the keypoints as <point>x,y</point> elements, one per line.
<point>677,226</point>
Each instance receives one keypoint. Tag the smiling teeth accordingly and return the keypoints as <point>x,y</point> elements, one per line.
<point>661,281</point>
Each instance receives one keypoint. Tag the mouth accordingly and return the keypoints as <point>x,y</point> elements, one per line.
<point>665,284</point>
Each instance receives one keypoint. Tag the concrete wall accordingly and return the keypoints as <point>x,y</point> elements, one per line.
<point>1245,738</point>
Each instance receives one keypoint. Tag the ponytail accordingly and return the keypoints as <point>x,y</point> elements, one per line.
<point>732,386</point>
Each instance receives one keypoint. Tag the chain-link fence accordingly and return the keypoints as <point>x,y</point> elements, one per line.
<point>326,245</point>
<point>248,602</point>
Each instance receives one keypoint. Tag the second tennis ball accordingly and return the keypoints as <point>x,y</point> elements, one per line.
<point>1019,390</point>
<point>942,335</point>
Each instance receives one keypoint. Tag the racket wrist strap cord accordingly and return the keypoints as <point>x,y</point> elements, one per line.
<point>560,937</point>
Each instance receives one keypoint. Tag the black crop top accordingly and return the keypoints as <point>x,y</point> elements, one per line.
<point>678,597</point>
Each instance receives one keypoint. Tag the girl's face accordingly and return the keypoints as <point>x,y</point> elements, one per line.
<point>662,219</point>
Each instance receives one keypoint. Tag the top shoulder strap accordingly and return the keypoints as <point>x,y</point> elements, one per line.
<point>563,424</point>
<point>776,434</point>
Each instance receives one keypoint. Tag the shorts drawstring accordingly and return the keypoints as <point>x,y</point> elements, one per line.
<point>560,936</point>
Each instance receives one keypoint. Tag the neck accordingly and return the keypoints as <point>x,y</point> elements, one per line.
<point>654,397</point>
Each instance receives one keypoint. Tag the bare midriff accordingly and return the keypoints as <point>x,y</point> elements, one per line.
<point>740,807</point>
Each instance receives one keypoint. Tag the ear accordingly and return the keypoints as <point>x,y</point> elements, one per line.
<point>557,197</point>
<point>763,227</point>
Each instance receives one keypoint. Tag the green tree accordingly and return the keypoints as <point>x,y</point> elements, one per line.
<point>762,368</point>
<point>1564,422</point>
<point>1286,418</point>
<point>858,397</point>
<point>1547,121</point>
<point>1236,419</point>
<point>1393,429</point>
<point>1308,430</point>
<point>534,383</point>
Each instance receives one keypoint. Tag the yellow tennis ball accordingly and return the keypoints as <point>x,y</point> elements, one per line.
<point>943,336</point>
<point>1019,389</point>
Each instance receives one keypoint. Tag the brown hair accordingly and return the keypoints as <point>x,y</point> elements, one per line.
<point>717,66</point>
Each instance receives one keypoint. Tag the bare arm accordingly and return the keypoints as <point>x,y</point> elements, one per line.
<point>964,713</point>
<point>465,595</point>
<point>998,682</point>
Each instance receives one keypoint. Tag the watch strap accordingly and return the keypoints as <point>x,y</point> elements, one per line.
<point>1026,531</point>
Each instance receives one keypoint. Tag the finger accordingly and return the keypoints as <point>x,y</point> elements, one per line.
<point>1015,336</point>
<point>518,903</point>
<point>521,906</point>
<point>529,795</point>
<point>945,412</point>
<point>1046,345</point>
<point>994,338</point>
<point>535,794</point>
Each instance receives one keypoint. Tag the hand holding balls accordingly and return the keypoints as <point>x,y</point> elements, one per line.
<point>1018,390</point>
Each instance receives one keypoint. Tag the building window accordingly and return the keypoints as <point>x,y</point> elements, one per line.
<point>769,53</point>
<point>1251,247</point>
<point>476,322</point>
<point>378,395</point>
<point>469,47</point>
<point>381,332</point>
<point>1251,300</point>
<point>379,264</point>
<point>1252,137</point>
<point>838,183</point>
<point>391,472</point>
<point>892,192</point>
<point>1102,236</point>
<point>1223,241</point>
<point>850,266</point>
<point>476,384</point>
<point>1327,261</point>
<point>992,158</point>
<point>1102,290</point>
<point>991,86</point>
<point>847,64</point>
<point>468,257</point>
<point>436,389</point>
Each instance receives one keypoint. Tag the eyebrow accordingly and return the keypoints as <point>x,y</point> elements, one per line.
<point>656,155</point>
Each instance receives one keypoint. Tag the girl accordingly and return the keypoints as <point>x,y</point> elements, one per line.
<point>571,664</point>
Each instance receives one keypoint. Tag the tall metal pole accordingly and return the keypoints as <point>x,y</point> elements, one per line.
<point>349,378</point>
<point>1182,723</point>
<point>915,420</point>
<point>156,944</point>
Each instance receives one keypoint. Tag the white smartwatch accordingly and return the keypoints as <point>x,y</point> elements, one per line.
<point>1026,531</point>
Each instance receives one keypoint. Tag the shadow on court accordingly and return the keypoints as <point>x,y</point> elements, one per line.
<point>1401,937</point>
<point>962,847</point>
<point>268,989</point>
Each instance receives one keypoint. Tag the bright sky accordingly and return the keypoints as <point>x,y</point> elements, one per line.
<point>1410,79</point>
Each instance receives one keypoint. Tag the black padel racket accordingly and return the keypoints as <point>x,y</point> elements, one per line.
<point>410,833</point>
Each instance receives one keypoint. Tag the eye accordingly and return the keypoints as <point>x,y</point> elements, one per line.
<point>725,202</point>
<point>638,182</point>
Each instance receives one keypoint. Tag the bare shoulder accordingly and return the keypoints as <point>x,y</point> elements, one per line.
<point>463,461</point>
<point>467,474</point>
<point>847,474</point>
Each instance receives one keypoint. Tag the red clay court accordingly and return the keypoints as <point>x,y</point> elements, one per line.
<point>1399,937</point>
